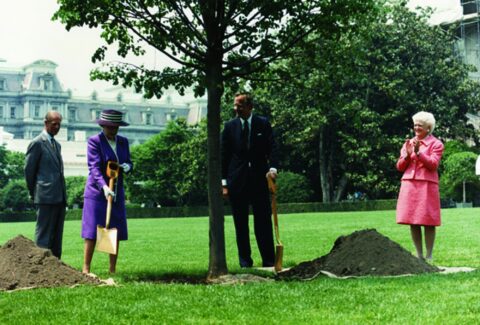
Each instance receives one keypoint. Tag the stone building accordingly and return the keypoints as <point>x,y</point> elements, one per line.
<point>27,93</point>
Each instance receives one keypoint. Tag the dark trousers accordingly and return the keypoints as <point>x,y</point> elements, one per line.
<point>49,228</point>
<point>262,220</point>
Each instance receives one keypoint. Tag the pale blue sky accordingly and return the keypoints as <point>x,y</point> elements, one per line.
<point>28,34</point>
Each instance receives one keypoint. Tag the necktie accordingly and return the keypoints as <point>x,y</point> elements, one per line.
<point>54,144</point>
<point>245,133</point>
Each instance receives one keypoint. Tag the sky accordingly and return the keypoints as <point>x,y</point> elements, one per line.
<point>27,34</point>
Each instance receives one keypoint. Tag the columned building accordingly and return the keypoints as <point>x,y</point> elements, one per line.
<point>28,93</point>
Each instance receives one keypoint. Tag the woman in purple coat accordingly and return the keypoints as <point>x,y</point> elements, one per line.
<point>103,147</point>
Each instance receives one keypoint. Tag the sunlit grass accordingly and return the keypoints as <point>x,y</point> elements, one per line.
<point>158,247</point>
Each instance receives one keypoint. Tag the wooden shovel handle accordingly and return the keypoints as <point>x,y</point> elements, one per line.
<point>273,190</point>
<point>109,202</point>
<point>271,185</point>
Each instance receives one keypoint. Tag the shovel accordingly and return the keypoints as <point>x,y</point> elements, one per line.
<point>279,246</point>
<point>107,237</point>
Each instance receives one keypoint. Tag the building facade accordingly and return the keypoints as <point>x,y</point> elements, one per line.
<point>469,35</point>
<point>28,93</point>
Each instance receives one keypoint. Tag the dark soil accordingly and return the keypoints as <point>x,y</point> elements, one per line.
<point>364,252</point>
<point>24,265</point>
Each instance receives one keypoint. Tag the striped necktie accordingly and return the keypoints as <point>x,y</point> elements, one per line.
<point>54,144</point>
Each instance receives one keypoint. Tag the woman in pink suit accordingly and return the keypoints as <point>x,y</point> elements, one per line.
<point>419,199</point>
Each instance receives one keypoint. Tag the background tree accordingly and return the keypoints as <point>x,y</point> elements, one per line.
<point>75,187</point>
<point>15,162</point>
<point>211,42</point>
<point>170,168</point>
<point>344,103</point>
<point>14,196</point>
<point>292,187</point>
<point>459,169</point>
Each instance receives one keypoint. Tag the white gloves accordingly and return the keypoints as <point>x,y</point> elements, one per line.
<point>126,167</point>
<point>107,192</point>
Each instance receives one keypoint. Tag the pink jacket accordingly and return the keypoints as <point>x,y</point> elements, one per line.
<point>424,166</point>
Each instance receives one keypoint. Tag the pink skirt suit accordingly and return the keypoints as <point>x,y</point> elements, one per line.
<point>419,198</point>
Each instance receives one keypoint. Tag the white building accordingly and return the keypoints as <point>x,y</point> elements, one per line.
<point>27,93</point>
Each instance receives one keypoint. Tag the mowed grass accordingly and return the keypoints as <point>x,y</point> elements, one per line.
<point>160,248</point>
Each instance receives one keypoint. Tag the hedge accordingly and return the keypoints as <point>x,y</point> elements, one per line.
<point>201,211</point>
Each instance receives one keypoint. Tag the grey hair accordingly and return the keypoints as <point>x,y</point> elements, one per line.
<point>426,118</point>
<point>50,115</point>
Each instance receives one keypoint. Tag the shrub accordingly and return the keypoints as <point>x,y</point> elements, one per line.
<point>293,187</point>
<point>75,188</point>
<point>14,196</point>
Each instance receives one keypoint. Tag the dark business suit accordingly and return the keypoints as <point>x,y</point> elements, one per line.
<point>46,185</point>
<point>245,170</point>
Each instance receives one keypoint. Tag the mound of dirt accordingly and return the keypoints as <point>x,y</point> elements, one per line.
<point>364,252</point>
<point>24,265</point>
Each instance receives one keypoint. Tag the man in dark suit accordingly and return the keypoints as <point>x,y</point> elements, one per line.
<point>248,157</point>
<point>46,184</point>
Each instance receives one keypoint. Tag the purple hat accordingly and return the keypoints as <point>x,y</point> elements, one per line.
<point>110,117</point>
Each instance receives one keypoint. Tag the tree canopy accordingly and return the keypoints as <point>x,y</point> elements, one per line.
<point>344,103</point>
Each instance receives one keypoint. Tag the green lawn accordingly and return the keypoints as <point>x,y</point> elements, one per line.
<point>161,247</point>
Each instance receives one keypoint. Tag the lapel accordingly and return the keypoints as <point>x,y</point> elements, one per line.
<point>253,131</point>
<point>55,155</point>
<point>238,129</point>
<point>107,148</point>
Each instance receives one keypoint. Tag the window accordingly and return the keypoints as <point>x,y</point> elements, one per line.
<point>46,83</point>
<point>94,114</point>
<point>148,119</point>
<point>36,111</point>
<point>54,108</point>
<point>2,84</point>
<point>170,116</point>
<point>1,111</point>
<point>12,111</point>
<point>72,114</point>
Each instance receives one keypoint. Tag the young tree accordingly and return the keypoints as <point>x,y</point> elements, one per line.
<point>459,169</point>
<point>212,42</point>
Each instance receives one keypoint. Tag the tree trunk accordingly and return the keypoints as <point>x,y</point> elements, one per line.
<point>464,193</point>
<point>217,257</point>
<point>342,185</point>
<point>323,165</point>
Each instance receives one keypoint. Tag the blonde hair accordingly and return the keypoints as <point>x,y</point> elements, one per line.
<point>426,118</point>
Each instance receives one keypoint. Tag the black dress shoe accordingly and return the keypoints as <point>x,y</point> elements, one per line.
<point>245,263</point>
<point>268,264</point>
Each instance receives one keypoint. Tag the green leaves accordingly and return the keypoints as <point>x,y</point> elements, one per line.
<point>458,168</point>
<point>343,101</point>
<point>171,168</point>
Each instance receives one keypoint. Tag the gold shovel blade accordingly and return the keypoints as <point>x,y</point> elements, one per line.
<point>107,240</point>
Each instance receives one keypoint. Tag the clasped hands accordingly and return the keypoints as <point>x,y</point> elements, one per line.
<point>412,146</point>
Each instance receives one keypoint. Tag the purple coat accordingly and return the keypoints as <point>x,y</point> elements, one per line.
<point>99,152</point>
